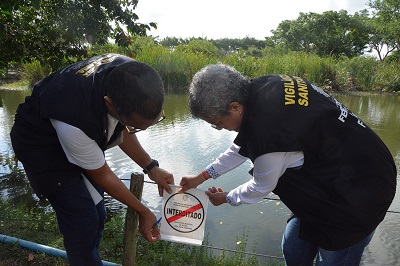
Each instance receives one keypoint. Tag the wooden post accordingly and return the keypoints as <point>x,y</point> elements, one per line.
<point>132,221</point>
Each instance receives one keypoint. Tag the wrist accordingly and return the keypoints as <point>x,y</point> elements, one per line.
<point>229,200</point>
<point>140,209</point>
<point>205,175</point>
<point>150,166</point>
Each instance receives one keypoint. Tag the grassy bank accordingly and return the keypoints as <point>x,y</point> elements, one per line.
<point>177,66</point>
<point>41,227</point>
<point>343,74</point>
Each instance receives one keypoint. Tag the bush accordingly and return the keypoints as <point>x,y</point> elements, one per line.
<point>178,64</point>
<point>34,71</point>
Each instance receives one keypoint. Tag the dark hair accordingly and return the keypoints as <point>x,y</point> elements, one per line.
<point>135,87</point>
<point>214,88</point>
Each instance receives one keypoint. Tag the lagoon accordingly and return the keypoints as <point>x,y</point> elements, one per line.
<point>184,146</point>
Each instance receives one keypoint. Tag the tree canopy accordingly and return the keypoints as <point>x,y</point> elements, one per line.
<point>54,31</point>
<point>386,26</point>
<point>51,30</point>
<point>328,34</point>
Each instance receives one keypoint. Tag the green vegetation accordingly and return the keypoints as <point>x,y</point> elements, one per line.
<point>51,31</point>
<point>41,227</point>
<point>33,72</point>
<point>176,67</point>
<point>40,36</point>
<point>329,49</point>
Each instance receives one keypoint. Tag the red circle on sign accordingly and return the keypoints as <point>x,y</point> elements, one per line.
<point>179,216</point>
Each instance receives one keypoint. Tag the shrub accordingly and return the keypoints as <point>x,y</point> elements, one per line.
<point>34,71</point>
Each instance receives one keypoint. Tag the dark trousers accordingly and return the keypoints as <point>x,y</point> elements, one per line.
<point>302,253</point>
<point>81,222</point>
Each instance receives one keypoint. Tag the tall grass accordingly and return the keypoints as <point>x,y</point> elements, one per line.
<point>177,66</point>
<point>362,73</point>
<point>387,77</point>
<point>311,67</point>
<point>357,73</point>
<point>34,71</point>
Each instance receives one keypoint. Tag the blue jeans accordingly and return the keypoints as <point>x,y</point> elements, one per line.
<point>81,223</point>
<point>298,252</point>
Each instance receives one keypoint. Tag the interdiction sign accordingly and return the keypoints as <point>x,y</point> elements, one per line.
<point>184,216</point>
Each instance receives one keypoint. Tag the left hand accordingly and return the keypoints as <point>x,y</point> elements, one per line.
<point>163,178</point>
<point>216,195</point>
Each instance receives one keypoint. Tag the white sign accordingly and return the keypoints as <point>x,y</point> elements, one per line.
<point>184,216</point>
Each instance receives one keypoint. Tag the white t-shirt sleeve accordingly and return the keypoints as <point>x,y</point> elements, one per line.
<point>268,168</point>
<point>78,147</point>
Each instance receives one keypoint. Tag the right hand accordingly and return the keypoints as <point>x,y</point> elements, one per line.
<point>191,181</point>
<point>163,179</point>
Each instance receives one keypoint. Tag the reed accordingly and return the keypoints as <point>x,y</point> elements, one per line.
<point>311,67</point>
<point>33,72</point>
<point>177,66</point>
<point>357,73</point>
<point>387,77</point>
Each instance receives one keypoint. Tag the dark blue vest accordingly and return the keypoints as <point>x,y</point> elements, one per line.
<point>74,95</point>
<point>348,179</point>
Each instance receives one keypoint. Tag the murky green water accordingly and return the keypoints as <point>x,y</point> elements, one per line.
<point>183,145</point>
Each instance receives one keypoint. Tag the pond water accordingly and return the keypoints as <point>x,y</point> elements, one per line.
<point>184,145</point>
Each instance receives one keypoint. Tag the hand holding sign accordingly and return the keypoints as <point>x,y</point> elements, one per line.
<point>216,196</point>
<point>191,181</point>
<point>162,178</point>
<point>184,216</point>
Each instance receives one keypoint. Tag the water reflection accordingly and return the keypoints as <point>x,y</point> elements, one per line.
<point>183,146</point>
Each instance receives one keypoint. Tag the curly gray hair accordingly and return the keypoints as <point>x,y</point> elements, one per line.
<point>214,88</point>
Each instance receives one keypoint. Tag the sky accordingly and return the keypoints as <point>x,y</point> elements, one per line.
<point>216,19</point>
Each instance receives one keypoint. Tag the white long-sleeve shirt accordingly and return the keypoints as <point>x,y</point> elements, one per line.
<point>268,168</point>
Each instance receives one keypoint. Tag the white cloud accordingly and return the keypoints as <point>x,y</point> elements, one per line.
<point>228,18</point>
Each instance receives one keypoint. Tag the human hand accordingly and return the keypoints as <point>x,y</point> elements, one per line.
<point>216,196</point>
<point>191,181</point>
<point>163,178</point>
<point>147,221</point>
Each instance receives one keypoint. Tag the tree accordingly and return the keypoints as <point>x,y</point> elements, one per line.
<point>379,41</point>
<point>200,46</point>
<point>331,33</point>
<point>386,16</point>
<point>228,46</point>
<point>294,34</point>
<point>172,42</point>
<point>52,30</point>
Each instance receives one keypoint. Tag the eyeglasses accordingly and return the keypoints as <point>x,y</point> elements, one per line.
<point>217,126</point>
<point>132,130</point>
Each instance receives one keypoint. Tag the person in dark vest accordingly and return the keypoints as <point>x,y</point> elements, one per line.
<point>62,130</point>
<point>327,166</point>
